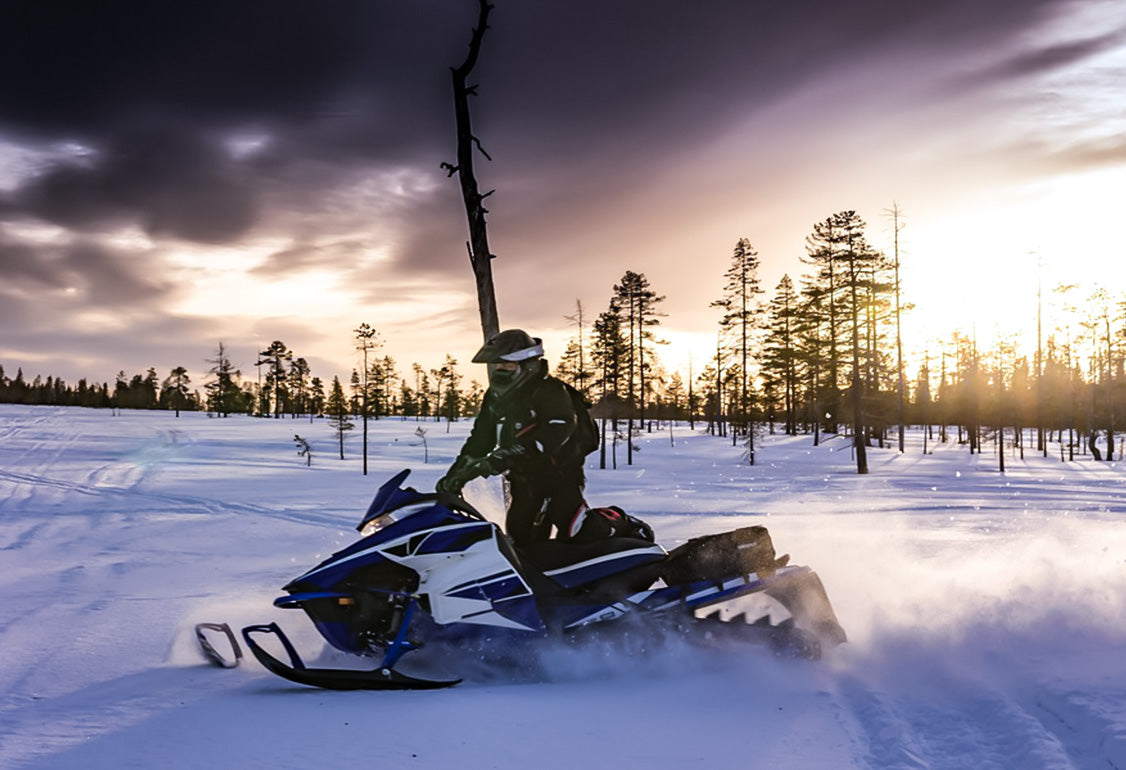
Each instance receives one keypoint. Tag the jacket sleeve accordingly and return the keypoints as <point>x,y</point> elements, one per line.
<point>483,436</point>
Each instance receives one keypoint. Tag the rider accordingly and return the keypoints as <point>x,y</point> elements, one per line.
<point>532,430</point>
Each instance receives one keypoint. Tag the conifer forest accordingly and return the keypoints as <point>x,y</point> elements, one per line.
<point>820,353</point>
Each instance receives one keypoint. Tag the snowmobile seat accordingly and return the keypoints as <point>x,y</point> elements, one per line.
<point>571,565</point>
<point>553,554</point>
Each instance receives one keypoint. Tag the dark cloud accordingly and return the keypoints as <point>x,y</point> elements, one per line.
<point>570,91</point>
<point>112,280</point>
<point>97,66</point>
<point>83,273</point>
<point>1044,59</point>
<point>157,96</point>
<point>169,182</point>
<point>353,81</point>
<point>21,264</point>
<point>649,78</point>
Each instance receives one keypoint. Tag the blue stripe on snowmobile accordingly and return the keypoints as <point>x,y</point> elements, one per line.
<point>371,547</point>
<point>610,564</point>
<point>454,541</point>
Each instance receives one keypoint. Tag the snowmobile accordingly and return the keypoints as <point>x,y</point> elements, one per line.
<point>430,569</point>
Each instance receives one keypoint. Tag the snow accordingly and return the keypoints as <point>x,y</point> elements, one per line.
<point>985,610</point>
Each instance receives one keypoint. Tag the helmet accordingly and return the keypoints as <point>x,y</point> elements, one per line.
<point>514,358</point>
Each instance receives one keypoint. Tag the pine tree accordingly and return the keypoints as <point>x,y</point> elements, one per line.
<point>573,363</point>
<point>573,368</point>
<point>297,384</point>
<point>276,357</point>
<point>741,309</point>
<point>338,412</point>
<point>851,293</point>
<point>781,353</point>
<point>149,389</point>
<point>447,396</point>
<point>367,339</point>
<point>174,390</point>
<point>408,406</point>
<point>609,350</point>
<point>637,303</point>
<point>823,294</point>
<point>316,398</point>
<point>223,392</point>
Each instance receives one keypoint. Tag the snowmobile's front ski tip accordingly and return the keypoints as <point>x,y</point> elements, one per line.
<point>383,678</point>
<point>212,654</point>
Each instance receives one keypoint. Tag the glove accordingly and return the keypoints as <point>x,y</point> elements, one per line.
<point>468,468</point>
<point>450,484</point>
<point>499,460</point>
<point>461,473</point>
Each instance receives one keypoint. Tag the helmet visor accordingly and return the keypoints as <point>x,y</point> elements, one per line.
<point>510,345</point>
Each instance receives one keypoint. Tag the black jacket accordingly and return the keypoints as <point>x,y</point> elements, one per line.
<point>538,418</point>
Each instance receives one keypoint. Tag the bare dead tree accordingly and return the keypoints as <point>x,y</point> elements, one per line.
<point>581,376</point>
<point>896,214</point>
<point>479,255</point>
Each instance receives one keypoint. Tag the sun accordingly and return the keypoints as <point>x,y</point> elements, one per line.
<point>997,273</point>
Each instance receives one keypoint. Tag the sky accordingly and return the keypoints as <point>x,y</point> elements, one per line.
<point>173,176</point>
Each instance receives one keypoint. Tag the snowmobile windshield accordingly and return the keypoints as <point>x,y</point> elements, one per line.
<point>390,496</point>
<point>394,503</point>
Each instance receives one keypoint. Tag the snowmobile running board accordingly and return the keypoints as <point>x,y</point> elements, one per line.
<point>332,678</point>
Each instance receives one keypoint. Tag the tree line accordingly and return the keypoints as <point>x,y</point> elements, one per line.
<point>822,355</point>
<point>282,385</point>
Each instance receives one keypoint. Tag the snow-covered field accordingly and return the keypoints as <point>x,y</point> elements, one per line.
<point>987,612</point>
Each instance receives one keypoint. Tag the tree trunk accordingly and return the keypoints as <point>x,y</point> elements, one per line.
<point>479,255</point>
<point>858,427</point>
<point>1095,453</point>
<point>1001,448</point>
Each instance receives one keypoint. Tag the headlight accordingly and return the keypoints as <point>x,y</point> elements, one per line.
<point>385,520</point>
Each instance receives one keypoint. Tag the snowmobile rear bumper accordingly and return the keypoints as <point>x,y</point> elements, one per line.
<point>385,678</point>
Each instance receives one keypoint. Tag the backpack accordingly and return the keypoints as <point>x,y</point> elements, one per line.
<point>586,429</point>
<point>719,557</point>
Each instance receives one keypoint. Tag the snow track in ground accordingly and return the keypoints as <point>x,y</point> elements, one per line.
<point>939,718</point>
<point>984,611</point>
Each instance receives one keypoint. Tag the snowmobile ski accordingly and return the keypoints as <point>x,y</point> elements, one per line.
<point>213,655</point>
<point>384,678</point>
